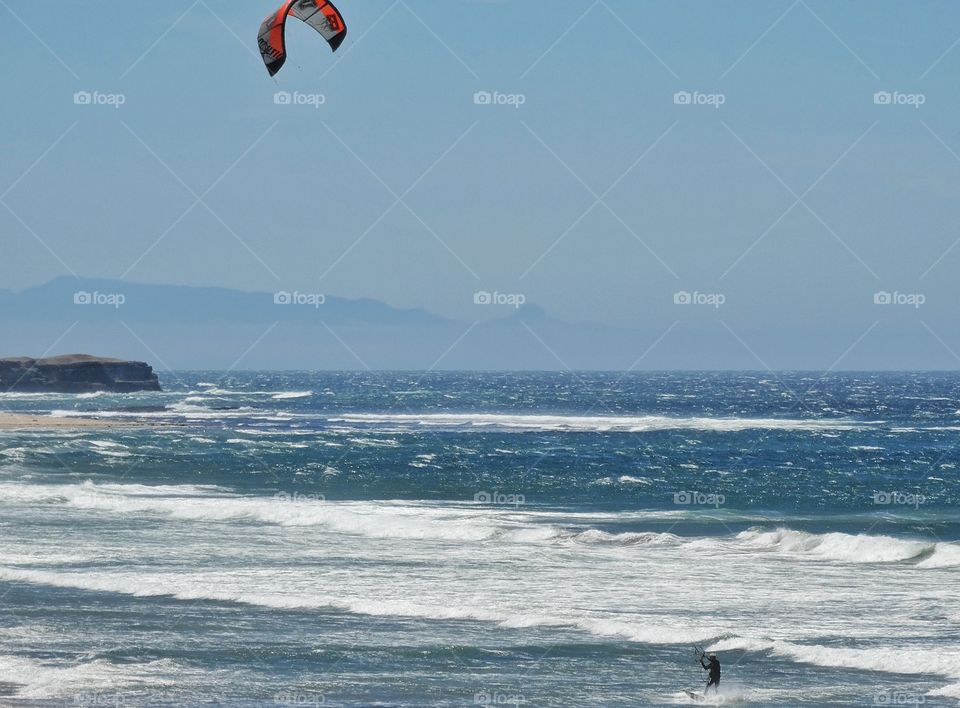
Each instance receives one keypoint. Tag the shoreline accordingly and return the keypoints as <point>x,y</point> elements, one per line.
<point>43,421</point>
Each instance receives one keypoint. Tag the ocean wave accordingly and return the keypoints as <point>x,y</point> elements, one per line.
<point>939,661</point>
<point>212,390</point>
<point>175,410</point>
<point>895,660</point>
<point>27,395</point>
<point>548,423</point>
<point>860,548</point>
<point>44,680</point>
<point>945,555</point>
<point>207,503</point>
<point>649,538</point>
<point>469,523</point>
<point>16,453</point>
<point>951,691</point>
<point>200,588</point>
<point>17,492</point>
<point>261,432</point>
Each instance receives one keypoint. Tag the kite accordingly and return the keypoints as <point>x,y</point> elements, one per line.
<point>319,14</point>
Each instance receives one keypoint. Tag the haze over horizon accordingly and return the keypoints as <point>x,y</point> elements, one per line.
<point>794,163</point>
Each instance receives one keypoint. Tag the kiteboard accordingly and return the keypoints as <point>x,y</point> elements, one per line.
<point>695,697</point>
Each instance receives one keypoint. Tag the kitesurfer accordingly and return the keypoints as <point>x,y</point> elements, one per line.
<point>713,666</point>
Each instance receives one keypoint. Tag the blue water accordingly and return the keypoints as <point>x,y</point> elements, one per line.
<point>407,539</point>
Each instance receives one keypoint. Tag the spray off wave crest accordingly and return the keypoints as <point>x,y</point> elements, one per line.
<point>851,548</point>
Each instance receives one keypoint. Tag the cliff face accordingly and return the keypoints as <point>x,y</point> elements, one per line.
<point>76,373</point>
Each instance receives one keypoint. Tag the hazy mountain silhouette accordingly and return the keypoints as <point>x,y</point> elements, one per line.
<point>186,327</point>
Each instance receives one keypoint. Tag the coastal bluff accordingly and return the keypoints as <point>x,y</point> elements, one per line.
<point>75,373</point>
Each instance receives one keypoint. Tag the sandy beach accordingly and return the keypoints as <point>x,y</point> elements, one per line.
<point>22,421</point>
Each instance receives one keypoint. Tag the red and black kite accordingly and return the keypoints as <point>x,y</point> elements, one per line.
<point>319,14</point>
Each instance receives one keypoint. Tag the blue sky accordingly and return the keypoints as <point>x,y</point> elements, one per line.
<point>599,198</point>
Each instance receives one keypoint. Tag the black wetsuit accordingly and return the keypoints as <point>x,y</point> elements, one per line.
<point>714,668</point>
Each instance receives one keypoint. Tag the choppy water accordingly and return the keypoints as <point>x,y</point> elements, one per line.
<point>486,539</point>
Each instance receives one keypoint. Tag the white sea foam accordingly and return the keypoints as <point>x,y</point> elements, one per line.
<point>940,661</point>
<point>860,548</point>
<point>287,395</point>
<point>180,409</point>
<point>945,555</point>
<point>200,588</point>
<point>12,491</point>
<point>626,539</point>
<point>487,421</point>
<point>105,443</point>
<point>951,691</point>
<point>44,680</point>
<point>212,390</point>
<point>890,659</point>
<point>205,503</point>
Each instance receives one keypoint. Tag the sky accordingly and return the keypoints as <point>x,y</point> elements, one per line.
<point>772,164</point>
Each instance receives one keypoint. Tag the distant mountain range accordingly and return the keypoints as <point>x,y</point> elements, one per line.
<point>68,299</point>
<point>184,327</point>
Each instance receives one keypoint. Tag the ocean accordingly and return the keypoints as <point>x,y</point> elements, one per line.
<point>485,539</point>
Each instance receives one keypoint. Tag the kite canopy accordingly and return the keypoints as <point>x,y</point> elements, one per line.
<point>319,14</point>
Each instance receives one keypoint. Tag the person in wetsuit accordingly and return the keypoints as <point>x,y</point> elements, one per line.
<point>713,666</point>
